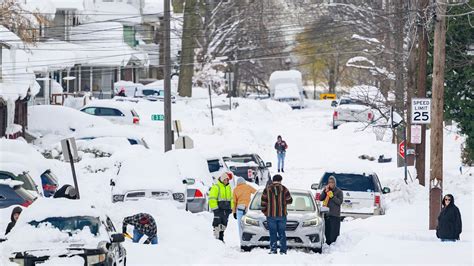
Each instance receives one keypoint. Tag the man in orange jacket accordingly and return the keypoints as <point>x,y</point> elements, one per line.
<point>242,194</point>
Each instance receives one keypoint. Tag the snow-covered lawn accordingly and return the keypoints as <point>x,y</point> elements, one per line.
<point>401,236</point>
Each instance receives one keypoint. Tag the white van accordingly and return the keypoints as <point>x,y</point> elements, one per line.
<point>287,86</point>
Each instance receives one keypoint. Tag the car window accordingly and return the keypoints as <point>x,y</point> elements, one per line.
<point>48,178</point>
<point>28,182</point>
<point>110,225</point>
<point>351,182</point>
<point>90,110</point>
<point>109,112</point>
<point>135,114</point>
<point>213,165</point>
<point>149,92</point>
<point>70,224</point>
<point>301,202</point>
<point>136,194</point>
<point>24,194</point>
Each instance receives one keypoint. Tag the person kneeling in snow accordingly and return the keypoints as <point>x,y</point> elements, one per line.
<point>143,224</point>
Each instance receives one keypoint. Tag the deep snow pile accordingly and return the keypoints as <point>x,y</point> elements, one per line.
<point>401,236</point>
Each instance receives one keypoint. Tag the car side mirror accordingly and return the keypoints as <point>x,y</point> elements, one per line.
<point>334,103</point>
<point>112,183</point>
<point>189,181</point>
<point>268,164</point>
<point>118,238</point>
<point>385,190</point>
<point>315,186</point>
<point>324,210</point>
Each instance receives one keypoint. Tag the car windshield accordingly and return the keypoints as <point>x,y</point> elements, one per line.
<point>213,165</point>
<point>301,202</point>
<point>150,92</point>
<point>241,159</point>
<point>71,224</point>
<point>350,101</point>
<point>351,182</point>
<point>28,182</point>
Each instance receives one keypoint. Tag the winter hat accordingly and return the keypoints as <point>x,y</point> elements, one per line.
<point>277,178</point>
<point>240,180</point>
<point>333,179</point>
<point>223,177</point>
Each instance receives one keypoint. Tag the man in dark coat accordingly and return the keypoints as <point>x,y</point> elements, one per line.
<point>14,217</point>
<point>143,224</point>
<point>449,220</point>
<point>332,197</point>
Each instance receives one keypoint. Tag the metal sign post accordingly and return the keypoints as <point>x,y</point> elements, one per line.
<point>210,102</point>
<point>70,155</point>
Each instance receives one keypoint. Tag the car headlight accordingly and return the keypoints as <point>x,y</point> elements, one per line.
<point>312,222</point>
<point>118,198</point>
<point>94,259</point>
<point>20,262</point>
<point>250,221</point>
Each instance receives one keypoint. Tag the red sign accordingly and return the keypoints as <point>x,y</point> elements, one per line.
<point>401,149</point>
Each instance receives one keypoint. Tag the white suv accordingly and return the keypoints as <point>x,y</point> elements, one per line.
<point>113,111</point>
<point>351,110</point>
<point>363,194</point>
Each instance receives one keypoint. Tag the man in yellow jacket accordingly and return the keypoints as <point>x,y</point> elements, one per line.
<point>242,194</point>
<point>221,203</point>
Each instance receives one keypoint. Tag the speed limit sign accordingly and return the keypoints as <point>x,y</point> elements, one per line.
<point>421,111</point>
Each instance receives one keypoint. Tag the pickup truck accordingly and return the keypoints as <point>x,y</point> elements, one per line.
<point>351,110</point>
<point>249,166</point>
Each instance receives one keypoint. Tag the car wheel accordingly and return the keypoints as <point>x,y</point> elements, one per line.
<point>317,250</point>
<point>245,248</point>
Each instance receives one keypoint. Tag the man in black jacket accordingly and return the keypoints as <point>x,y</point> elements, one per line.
<point>332,197</point>
<point>14,217</point>
<point>449,220</point>
<point>143,224</point>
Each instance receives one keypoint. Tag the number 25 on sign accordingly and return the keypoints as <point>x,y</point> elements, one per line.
<point>421,111</point>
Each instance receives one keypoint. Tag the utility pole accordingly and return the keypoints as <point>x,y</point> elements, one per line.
<point>436,156</point>
<point>421,88</point>
<point>167,78</point>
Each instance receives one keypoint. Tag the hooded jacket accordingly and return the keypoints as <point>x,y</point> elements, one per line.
<point>13,222</point>
<point>449,221</point>
<point>334,202</point>
<point>242,194</point>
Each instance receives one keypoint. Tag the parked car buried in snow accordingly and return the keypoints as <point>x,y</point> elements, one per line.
<point>12,193</point>
<point>304,227</point>
<point>148,176</point>
<point>45,231</point>
<point>351,110</point>
<point>249,166</point>
<point>119,113</point>
<point>363,194</point>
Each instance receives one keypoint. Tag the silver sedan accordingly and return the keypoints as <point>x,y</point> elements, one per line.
<point>304,228</point>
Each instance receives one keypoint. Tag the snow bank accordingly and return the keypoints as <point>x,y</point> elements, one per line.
<point>66,120</point>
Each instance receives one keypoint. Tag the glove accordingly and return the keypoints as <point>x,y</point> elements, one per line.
<point>235,215</point>
<point>127,235</point>
<point>147,241</point>
<point>330,194</point>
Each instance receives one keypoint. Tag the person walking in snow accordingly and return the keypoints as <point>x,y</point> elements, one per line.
<point>332,197</point>
<point>449,220</point>
<point>221,204</point>
<point>13,218</point>
<point>143,224</point>
<point>280,147</point>
<point>242,194</point>
<point>275,198</point>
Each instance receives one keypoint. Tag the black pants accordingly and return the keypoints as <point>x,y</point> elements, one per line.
<point>333,226</point>
<point>221,217</point>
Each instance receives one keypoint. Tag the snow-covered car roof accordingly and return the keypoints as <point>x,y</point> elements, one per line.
<point>58,207</point>
<point>190,164</point>
<point>239,164</point>
<point>65,120</point>
<point>148,170</point>
<point>110,104</point>
<point>127,131</point>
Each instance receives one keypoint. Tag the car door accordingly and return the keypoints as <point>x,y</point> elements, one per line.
<point>116,249</point>
<point>264,173</point>
<point>112,114</point>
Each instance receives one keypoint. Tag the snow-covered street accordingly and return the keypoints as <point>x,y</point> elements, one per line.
<point>399,237</point>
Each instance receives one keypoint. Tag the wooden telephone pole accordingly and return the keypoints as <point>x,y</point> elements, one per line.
<point>421,88</point>
<point>436,159</point>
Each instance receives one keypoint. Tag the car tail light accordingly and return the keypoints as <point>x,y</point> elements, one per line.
<point>335,114</point>
<point>230,175</point>
<point>198,194</point>
<point>49,187</point>
<point>26,203</point>
<point>136,120</point>
<point>370,116</point>
<point>317,196</point>
<point>377,200</point>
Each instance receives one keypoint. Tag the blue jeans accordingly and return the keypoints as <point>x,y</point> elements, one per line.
<point>240,214</point>
<point>137,236</point>
<point>277,226</point>
<point>281,160</point>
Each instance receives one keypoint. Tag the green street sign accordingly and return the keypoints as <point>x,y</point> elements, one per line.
<point>157,117</point>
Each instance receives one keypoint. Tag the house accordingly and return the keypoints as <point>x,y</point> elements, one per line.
<point>17,84</point>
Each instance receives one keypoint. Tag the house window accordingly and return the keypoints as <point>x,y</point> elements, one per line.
<point>129,35</point>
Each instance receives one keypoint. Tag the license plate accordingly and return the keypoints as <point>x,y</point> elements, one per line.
<point>347,205</point>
